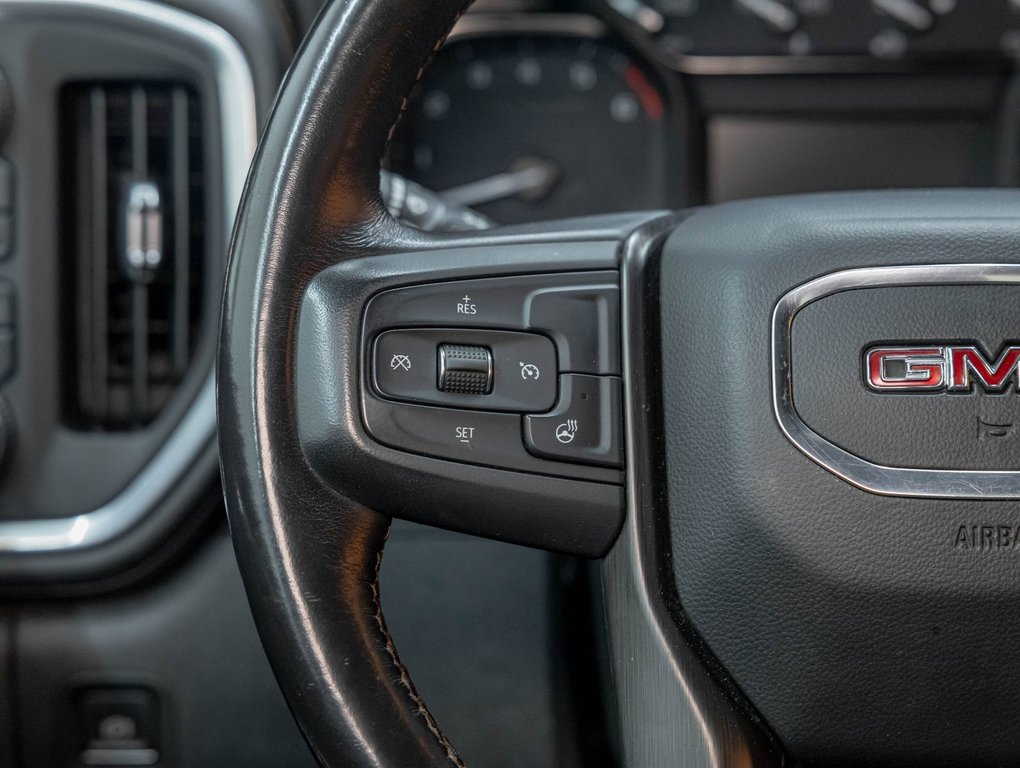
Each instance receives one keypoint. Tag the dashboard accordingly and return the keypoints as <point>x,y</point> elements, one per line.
<point>532,112</point>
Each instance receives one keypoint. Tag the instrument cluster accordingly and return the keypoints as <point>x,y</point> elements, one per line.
<point>541,123</point>
<point>880,29</point>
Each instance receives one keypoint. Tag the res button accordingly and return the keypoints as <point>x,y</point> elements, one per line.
<point>579,311</point>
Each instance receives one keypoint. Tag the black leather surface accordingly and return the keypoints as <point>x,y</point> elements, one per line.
<point>851,621</point>
<point>310,558</point>
<point>923,430</point>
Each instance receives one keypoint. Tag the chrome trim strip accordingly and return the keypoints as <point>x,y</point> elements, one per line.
<point>197,430</point>
<point>876,478</point>
<point>696,64</point>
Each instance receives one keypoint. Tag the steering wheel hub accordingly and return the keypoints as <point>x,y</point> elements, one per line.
<point>816,540</point>
<point>820,394</point>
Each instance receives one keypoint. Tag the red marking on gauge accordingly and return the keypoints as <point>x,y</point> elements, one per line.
<point>650,99</point>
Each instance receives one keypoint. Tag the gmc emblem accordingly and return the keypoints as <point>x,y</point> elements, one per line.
<point>921,368</point>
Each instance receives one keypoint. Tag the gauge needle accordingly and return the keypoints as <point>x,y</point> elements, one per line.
<point>906,12</point>
<point>529,178</point>
<point>773,13</point>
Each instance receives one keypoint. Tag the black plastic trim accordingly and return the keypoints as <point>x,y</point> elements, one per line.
<point>170,523</point>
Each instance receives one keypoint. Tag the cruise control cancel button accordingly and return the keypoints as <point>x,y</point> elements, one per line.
<point>586,426</point>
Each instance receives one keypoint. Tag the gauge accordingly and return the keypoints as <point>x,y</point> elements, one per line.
<point>691,31</point>
<point>776,15</point>
<point>914,15</point>
<point>531,128</point>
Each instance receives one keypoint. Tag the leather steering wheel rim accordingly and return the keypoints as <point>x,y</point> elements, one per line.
<point>309,557</point>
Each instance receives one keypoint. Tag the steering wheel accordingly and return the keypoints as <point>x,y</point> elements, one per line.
<point>787,427</point>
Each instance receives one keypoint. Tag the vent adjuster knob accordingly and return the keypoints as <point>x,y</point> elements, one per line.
<point>143,232</point>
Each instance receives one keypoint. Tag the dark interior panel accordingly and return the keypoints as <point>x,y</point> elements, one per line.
<point>470,620</point>
<point>189,638</point>
<point>758,156</point>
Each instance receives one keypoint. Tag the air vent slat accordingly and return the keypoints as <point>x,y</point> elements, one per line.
<point>139,132</point>
<point>93,262</point>
<point>182,268</point>
<point>140,350</point>
<point>139,290</point>
<point>134,237</point>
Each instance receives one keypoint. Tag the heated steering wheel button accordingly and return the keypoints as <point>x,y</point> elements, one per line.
<point>586,425</point>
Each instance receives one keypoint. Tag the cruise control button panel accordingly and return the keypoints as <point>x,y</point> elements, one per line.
<point>520,373</point>
<point>408,365</point>
<point>420,410</point>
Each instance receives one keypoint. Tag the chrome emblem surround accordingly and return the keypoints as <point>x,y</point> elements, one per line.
<point>877,478</point>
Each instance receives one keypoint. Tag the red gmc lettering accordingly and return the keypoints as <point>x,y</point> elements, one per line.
<point>941,368</point>
<point>969,365</point>
<point>902,368</point>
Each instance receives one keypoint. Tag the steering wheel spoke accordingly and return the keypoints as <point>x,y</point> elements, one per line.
<point>475,385</point>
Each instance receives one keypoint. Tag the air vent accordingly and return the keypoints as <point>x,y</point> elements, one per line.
<point>134,235</point>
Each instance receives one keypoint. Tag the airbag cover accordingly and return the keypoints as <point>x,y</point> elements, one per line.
<point>866,629</point>
<point>927,429</point>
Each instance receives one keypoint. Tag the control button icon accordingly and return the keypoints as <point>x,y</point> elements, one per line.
<point>586,425</point>
<point>566,431</point>
<point>400,363</point>
<point>530,372</point>
<point>993,429</point>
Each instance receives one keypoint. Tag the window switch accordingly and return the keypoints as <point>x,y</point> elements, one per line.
<point>119,726</point>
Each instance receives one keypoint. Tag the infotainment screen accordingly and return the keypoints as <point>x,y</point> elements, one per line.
<point>751,156</point>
